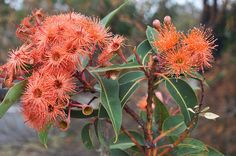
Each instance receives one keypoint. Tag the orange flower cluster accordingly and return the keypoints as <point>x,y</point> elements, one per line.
<point>49,57</point>
<point>180,53</point>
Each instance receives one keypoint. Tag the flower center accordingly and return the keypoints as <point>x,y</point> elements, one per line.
<point>179,60</point>
<point>37,93</point>
<point>50,108</point>
<point>57,84</point>
<point>56,56</point>
<point>115,46</point>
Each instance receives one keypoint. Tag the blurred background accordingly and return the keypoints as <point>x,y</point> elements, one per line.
<point>18,140</point>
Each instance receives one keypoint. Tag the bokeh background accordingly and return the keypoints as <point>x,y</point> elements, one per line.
<point>18,140</point>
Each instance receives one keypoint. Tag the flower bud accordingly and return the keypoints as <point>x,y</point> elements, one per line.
<point>156,24</point>
<point>167,20</point>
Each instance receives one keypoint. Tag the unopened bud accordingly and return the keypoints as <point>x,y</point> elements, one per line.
<point>167,20</point>
<point>156,24</point>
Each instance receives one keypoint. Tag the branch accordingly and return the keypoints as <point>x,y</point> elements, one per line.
<point>135,117</point>
<point>151,82</point>
<point>130,136</point>
<point>182,136</point>
<point>132,139</point>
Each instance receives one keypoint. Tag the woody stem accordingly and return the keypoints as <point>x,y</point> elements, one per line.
<point>149,134</point>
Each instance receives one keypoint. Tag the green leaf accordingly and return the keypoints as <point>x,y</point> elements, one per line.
<point>110,101</point>
<point>99,127</point>
<point>143,50</point>
<point>128,85</point>
<point>118,152</point>
<point>160,112</point>
<point>126,91</point>
<point>174,124</point>
<point>80,115</point>
<point>13,94</point>
<point>130,76</point>
<point>85,135</point>
<point>190,146</point>
<point>131,65</point>
<point>213,152</point>
<point>208,152</point>
<point>124,142</point>
<point>105,21</point>
<point>151,33</point>
<point>43,135</point>
<point>184,96</point>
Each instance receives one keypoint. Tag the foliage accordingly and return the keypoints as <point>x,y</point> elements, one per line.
<point>165,56</point>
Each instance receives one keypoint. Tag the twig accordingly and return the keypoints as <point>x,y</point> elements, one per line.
<point>163,134</point>
<point>135,117</point>
<point>130,136</point>
<point>86,85</point>
<point>202,94</point>
<point>182,136</point>
<point>132,139</point>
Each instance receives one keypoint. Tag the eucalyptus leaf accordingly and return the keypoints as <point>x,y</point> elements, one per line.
<point>131,65</point>
<point>190,146</point>
<point>118,152</point>
<point>160,112</point>
<point>43,135</point>
<point>99,127</point>
<point>126,91</point>
<point>213,152</point>
<point>110,101</point>
<point>184,96</point>
<point>13,94</point>
<point>130,76</point>
<point>86,136</point>
<point>124,142</point>
<point>105,21</point>
<point>129,83</point>
<point>174,124</point>
<point>151,34</point>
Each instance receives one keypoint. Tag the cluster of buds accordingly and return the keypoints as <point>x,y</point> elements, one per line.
<point>50,60</point>
<point>181,53</point>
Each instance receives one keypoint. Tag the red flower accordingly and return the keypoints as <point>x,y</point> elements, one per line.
<point>61,83</point>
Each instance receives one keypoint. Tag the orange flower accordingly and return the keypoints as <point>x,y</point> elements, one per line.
<point>176,62</point>
<point>113,47</point>
<point>55,112</point>
<point>34,117</point>
<point>35,102</point>
<point>37,92</point>
<point>201,43</point>
<point>52,50</point>
<point>167,38</point>
<point>116,43</point>
<point>142,103</point>
<point>61,83</point>
<point>18,59</point>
